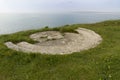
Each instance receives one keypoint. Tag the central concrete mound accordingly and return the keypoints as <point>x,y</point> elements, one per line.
<point>54,42</point>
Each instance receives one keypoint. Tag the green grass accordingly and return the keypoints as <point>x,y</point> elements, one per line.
<point>100,63</point>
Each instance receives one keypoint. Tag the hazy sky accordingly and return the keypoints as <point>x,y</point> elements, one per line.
<point>59,5</point>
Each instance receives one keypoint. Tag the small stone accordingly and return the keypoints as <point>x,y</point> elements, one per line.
<point>49,38</point>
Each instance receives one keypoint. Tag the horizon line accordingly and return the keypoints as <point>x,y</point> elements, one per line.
<point>66,12</point>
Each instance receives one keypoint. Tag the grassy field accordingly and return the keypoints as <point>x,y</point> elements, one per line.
<point>100,63</point>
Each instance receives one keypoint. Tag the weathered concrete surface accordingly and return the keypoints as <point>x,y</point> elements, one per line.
<point>53,42</point>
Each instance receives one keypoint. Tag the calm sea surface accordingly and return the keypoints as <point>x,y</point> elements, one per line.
<point>10,23</point>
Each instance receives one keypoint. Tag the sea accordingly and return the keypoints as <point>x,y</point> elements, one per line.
<point>14,22</point>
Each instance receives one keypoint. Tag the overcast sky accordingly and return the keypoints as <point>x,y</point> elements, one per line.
<point>59,5</point>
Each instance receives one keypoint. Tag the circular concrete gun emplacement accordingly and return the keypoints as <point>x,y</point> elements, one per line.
<point>54,42</point>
